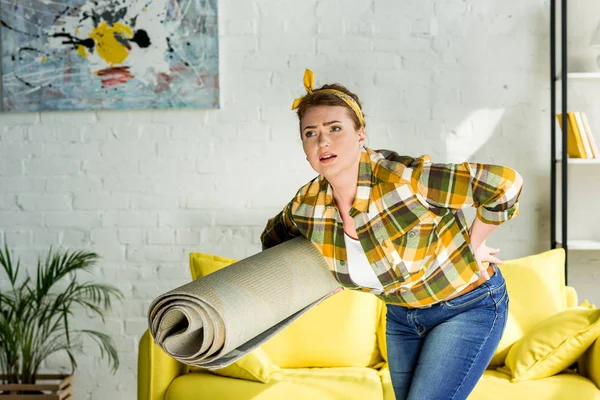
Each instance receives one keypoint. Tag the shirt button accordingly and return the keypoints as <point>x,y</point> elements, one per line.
<point>342,262</point>
<point>411,234</point>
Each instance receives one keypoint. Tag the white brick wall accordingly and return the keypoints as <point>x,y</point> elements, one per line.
<point>145,188</point>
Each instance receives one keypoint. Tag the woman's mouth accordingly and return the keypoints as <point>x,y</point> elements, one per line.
<point>327,158</point>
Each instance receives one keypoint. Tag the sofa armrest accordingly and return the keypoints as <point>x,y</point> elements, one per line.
<point>571,297</point>
<point>156,370</point>
<point>589,363</point>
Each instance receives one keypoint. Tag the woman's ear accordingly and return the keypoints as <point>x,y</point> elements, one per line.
<point>361,136</point>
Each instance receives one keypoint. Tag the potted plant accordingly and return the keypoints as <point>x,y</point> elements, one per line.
<point>36,313</point>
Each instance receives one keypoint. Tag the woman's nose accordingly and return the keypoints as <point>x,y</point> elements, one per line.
<point>323,140</point>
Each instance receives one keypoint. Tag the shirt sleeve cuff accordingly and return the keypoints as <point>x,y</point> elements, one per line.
<point>497,217</point>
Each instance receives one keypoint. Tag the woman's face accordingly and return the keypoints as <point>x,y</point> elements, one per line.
<point>329,140</point>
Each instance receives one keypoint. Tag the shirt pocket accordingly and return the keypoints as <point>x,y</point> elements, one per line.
<point>413,250</point>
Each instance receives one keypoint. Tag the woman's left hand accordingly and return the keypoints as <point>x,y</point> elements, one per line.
<point>484,253</point>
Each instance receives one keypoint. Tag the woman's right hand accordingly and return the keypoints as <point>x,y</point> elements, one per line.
<point>485,253</point>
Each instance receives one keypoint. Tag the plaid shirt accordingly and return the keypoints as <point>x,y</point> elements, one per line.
<point>409,220</point>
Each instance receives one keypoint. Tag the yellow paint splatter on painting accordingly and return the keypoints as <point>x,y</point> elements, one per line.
<point>107,46</point>
<point>144,9</point>
<point>81,51</point>
<point>43,59</point>
<point>77,31</point>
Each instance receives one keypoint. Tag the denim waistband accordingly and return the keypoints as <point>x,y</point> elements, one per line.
<point>496,280</point>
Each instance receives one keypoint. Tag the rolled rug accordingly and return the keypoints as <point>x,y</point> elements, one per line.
<point>215,320</point>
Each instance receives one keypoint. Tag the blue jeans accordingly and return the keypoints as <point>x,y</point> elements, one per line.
<point>440,352</point>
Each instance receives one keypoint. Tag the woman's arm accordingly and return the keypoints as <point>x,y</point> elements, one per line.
<point>480,231</point>
<point>279,228</point>
<point>493,189</point>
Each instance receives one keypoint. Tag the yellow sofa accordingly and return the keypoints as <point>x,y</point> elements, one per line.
<point>337,349</point>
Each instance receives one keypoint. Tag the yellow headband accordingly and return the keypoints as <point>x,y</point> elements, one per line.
<point>309,81</point>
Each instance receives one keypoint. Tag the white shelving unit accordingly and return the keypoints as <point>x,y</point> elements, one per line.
<point>583,244</point>
<point>584,181</point>
<point>575,183</point>
<point>581,161</point>
<point>580,75</point>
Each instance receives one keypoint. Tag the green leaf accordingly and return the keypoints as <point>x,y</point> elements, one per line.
<point>106,346</point>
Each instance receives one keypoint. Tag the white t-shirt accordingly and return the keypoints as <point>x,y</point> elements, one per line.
<point>358,266</point>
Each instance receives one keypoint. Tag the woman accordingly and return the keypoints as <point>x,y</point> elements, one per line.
<point>393,226</point>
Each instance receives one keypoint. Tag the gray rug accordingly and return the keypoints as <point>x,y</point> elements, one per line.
<point>215,320</point>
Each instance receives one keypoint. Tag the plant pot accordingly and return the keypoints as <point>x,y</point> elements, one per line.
<point>47,387</point>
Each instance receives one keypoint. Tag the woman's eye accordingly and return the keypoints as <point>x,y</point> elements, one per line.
<point>309,134</point>
<point>336,128</point>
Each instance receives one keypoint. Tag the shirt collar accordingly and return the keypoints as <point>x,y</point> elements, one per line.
<point>362,200</point>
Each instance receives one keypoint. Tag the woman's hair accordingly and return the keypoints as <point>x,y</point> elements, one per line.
<point>317,98</point>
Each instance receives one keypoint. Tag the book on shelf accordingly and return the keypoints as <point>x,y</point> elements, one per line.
<point>582,133</point>
<point>574,144</point>
<point>586,124</point>
<point>580,140</point>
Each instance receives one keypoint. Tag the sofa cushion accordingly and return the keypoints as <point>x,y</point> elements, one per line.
<point>291,384</point>
<point>254,366</point>
<point>202,264</point>
<point>589,364</point>
<point>339,332</point>
<point>536,288</point>
<point>554,344</point>
<point>562,386</point>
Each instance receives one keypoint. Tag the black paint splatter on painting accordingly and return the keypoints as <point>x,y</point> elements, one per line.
<point>61,14</point>
<point>133,20</point>
<point>89,43</point>
<point>141,38</point>
<point>84,17</point>
<point>172,51</point>
<point>25,49</point>
<point>25,82</point>
<point>4,24</point>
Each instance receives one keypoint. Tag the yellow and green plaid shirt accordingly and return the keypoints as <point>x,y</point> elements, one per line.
<point>409,220</point>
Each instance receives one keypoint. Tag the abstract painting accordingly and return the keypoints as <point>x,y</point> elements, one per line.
<point>109,54</point>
